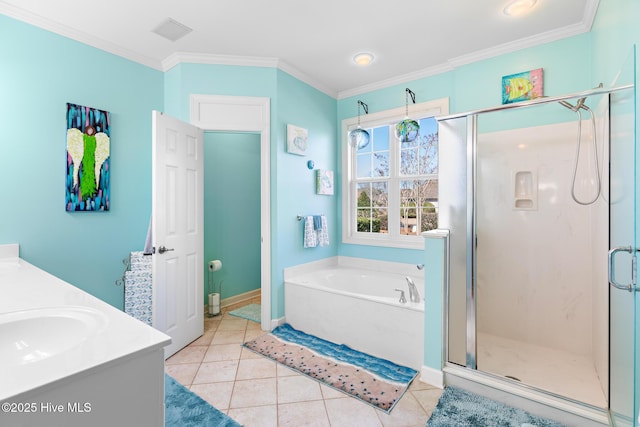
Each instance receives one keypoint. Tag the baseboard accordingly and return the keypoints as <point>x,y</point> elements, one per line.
<point>432,376</point>
<point>247,296</point>
<point>277,322</point>
<point>240,298</point>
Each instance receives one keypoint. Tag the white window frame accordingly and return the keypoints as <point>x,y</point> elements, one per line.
<point>350,235</point>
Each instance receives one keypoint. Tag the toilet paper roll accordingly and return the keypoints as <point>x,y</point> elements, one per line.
<point>215,265</point>
<point>214,304</point>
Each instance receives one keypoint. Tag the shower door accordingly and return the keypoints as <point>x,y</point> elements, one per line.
<point>537,283</point>
<point>623,404</point>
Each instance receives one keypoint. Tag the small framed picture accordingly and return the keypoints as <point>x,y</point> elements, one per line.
<point>324,182</point>
<point>297,140</point>
<point>522,86</point>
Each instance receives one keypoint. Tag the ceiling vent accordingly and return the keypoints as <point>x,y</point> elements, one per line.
<point>172,30</point>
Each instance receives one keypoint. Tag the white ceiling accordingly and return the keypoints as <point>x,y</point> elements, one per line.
<point>314,41</point>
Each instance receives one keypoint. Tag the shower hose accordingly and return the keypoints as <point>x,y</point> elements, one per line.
<point>595,154</point>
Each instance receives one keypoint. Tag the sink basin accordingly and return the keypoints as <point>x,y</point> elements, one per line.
<point>30,336</point>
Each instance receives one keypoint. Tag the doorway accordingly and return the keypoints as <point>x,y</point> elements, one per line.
<point>245,114</point>
<point>232,212</point>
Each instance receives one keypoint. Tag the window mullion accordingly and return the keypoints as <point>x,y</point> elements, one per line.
<point>394,185</point>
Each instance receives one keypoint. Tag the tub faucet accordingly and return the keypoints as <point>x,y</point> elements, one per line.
<point>414,296</point>
<point>402,300</point>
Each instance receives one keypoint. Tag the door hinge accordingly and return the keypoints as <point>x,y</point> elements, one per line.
<point>634,263</point>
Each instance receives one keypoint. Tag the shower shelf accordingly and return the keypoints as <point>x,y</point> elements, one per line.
<point>523,204</point>
<point>525,190</point>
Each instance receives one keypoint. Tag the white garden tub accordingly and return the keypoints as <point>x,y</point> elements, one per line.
<point>359,307</point>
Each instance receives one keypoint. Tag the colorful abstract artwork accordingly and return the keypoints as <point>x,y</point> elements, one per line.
<point>88,159</point>
<point>522,86</point>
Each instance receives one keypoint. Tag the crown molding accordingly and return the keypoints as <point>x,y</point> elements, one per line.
<point>243,61</point>
<point>206,58</point>
<point>79,36</point>
<point>590,11</point>
<point>283,66</point>
<point>174,59</point>
<point>405,78</point>
<point>571,30</point>
<point>520,44</point>
<point>584,26</point>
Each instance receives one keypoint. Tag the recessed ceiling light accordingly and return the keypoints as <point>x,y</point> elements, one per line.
<point>363,59</point>
<point>519,7</point>
<point>172,30</point>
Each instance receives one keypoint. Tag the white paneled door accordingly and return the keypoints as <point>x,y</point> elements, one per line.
<point>178,235</point>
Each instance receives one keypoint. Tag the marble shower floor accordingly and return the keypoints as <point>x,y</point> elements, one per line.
<point>559,372</point>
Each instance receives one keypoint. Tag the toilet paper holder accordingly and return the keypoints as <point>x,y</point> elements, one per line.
<point>214,298</point>
<point>215,265</point>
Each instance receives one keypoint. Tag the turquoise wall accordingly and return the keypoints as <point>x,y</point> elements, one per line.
<point>40,73</point>
<point>434,295</point>
<point>232,212</point>
<point>300,105</point>
<point>186,79</point>
<point>614,32</point>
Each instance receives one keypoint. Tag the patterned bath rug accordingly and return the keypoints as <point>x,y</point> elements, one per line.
<point>250,312</point>
<point>461,408</point>
<point>183,408</point>
<point>377,382</point>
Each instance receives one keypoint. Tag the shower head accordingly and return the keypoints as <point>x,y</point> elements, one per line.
<point>575,108</point>
<point>568,105</point>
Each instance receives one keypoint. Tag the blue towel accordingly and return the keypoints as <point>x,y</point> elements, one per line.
<point>317,222</point>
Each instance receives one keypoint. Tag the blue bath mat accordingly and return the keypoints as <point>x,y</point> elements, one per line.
<point>460,408</point>
<point>183,408</point>
<point>250,312</point>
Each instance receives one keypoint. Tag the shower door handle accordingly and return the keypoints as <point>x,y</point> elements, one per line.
<point>612,273</point>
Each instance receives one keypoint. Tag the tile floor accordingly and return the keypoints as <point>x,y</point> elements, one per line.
<point>256,391</point>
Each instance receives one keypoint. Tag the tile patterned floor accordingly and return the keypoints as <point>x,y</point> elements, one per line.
<point>258,392</point>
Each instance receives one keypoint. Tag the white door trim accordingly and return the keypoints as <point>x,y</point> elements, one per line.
<point>245,114</point>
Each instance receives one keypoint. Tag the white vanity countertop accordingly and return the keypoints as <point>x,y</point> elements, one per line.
<point>105,336</point>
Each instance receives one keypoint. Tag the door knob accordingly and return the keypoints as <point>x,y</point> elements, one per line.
<point>162,249</point>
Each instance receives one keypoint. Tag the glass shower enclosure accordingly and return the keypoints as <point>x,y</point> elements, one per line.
<point>527,194</point>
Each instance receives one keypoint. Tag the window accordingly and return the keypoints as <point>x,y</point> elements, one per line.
<point>390,189</point>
